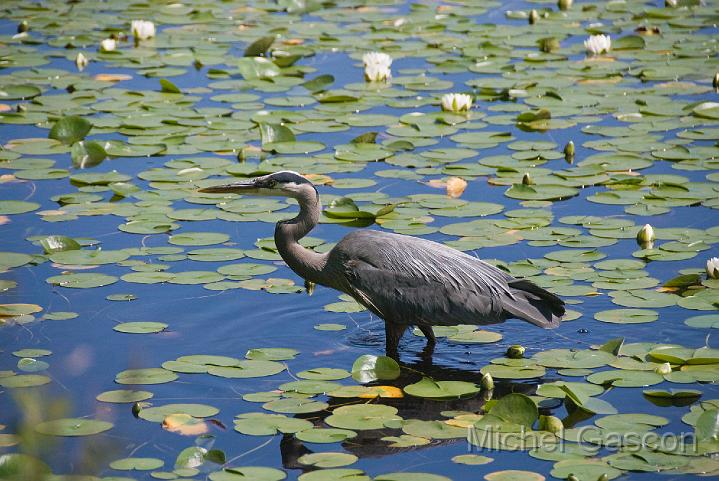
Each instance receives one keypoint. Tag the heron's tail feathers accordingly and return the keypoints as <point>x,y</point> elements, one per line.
<point>534,304</point>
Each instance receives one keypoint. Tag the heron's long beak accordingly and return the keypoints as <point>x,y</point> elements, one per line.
<point>242,187</point>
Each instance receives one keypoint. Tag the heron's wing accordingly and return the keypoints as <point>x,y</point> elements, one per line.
<point>402,277</point>
<point>398,297</point>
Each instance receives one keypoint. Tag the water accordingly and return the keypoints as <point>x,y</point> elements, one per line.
<point>87,353</point>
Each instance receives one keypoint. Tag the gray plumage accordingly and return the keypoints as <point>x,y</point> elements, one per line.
<point>402,279</point>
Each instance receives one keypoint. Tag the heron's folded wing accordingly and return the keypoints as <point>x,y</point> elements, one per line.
<point>422,260</point>
<point>406,298</point>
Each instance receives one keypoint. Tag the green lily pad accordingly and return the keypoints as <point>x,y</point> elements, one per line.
<point>24,380</point>
<point>627,316</point>
<point>325,435</point>
<point>73,427</point>
<point>247,368</point>
<point>82,280</point>
<point>369,368</point>
<point>17,207</point>
<point>362,416</point>
<point>152,375</point>
<point>142,327</point>
<point>159,413</point>
<point>198,238</point>
<point>327,459</point>
<point>428,388</point>
<point>139,464</point>
<point>124,396</point>
<point>70,129</point>
<point>262,424</point>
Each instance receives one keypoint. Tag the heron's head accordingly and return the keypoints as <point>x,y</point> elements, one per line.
<point>283,184</point>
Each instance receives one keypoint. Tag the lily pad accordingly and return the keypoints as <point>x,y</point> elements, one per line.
<point>73,427</point>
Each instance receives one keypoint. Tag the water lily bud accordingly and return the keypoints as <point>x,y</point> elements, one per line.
<point>569,149</point>
<point>487,382</point>
<point>456,102</point>
<point>671,3</point>
<point>715,82</point>
<point>108,45</point>
<point>665,368</point>
<point>516,351</point>
<point>572,477</point>
<point>309,287</point>
<point>81,61</point>
<point>250,152</point>
<point>646,235</point>
<point>526,179</point>
<point>603,477</point>
<point>549,44</point>
<point>533,17</point>
<point>598,44</point>
<point>713,268</point>
<point>23,27</point>
<point>21,108</point>
<point>551,423</point>
<point>377,67</point>
<point>139,406</point>
<point>565,4</point>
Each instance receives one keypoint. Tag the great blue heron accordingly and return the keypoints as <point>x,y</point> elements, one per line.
<point>402,279</point>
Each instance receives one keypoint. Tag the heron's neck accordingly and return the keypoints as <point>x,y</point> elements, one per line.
<point>306,263</point>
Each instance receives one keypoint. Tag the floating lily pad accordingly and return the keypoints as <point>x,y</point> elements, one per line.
<point>325,435</point>
<point>73,427</point>
<point>17,207</point>
<point>247,369</point>
<point>262,424</point>
<point>327,459</point>
<point>139,464</point>
<point>158,413</point>
<point>368,368</point>
<point>428,388</point>
<point>24,380</point>
<point>152,375</point>
<point>124,396</point>
<point>82,280</point>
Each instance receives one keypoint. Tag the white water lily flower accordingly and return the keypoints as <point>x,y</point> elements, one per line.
<point>108,45</point>
<point>376,58</point>
<point>456,102</point>
<point>81,61</point>
<point>598,44</point>
<point>377,66</point>
<point>142,29</point>
<point>713,268</point>
<point>377,73</point>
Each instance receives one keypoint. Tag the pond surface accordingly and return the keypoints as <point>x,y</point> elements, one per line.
<point>114,268</point>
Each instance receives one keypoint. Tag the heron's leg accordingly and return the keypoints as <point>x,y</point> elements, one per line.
<point>428,350</point>
<point>393,333</point>
<point>428,333</point>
